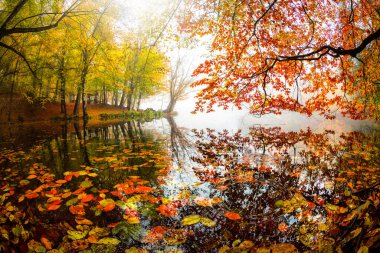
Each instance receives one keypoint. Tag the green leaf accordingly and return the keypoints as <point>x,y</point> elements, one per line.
<point>106,202</point>
<point>127,230</point>
<point>190,220</point>
<point>77,235</point>
<point>86,184</point>
<point>332,207</point>
<point>40,249</point>
<point>279,203</point>
<point>108,240</point>
<point>71,202</point>
<point>207,222</point>
<point>17,230</point>
<point>99,231</point>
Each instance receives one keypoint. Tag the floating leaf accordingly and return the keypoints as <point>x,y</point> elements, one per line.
<point>99,231</point>
<point>77,210</point>
<point>86,184</point>
<point>246,245</point>
<point>107,205</point>
<point>71,202</point>
<point>279,203</point>
<point>46,243</point>
<point>31,176</point>
<point>52,207</point>
<point>207,222</point>
<point>83,221</point>
<point>232,216</point>
<point>332,207</point>
<point>167,210</point>
<point>108,240</point>
<point>201,201</point>
<point>283,227</point>
<point>77,235</point>
<point>24,182</point>
<point>190,220</point>
<point>87,198</point>
<point>31,195</point>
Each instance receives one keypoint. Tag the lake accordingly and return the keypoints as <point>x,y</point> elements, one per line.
<point>220,182</point>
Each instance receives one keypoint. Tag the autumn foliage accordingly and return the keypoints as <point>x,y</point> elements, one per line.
<point>305,56</point>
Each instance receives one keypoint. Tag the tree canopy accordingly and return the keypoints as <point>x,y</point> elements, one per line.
<point>299,55</point>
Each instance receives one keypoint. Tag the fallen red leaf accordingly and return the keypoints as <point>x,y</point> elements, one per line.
<point>232,216</point>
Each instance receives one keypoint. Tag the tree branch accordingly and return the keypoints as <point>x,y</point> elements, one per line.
<point>13,13</point>
<point>332,51</point>
<point>19,54</point>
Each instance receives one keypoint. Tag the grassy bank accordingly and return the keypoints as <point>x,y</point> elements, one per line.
<point>23,111</point>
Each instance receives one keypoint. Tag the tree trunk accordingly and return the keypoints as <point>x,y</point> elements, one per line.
<point>139,102</point>
<point>171,105</point>
<point>104,95</point>
<point>77,102</point>
<point>130,98</point>
<point>62,79</point>
<point>12,91</point>
<point>56,90</point>
<point>122,100</point>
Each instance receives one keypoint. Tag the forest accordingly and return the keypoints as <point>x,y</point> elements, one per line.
<point>189,126</point>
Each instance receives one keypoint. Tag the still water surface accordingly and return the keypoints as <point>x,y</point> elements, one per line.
<point>193,183</point>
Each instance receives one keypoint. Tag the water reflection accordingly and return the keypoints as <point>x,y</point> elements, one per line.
<point>109,188</point>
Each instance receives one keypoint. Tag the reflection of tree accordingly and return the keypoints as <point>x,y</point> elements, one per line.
<point>82,141</point>
<point>179,142</point>
<point>252,172</point>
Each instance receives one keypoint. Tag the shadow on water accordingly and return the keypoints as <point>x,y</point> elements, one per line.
<point>112,187</point>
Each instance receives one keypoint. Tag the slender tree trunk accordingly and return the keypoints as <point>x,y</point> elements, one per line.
<point>130,97</point>
<point>171,105</point>
<point>11,99</point>
<point>62,79</point>
<point>139,102</point>
<point>122,100</point>
<point>104,95</point>
<point>56,90</point>
<point>77,102</point>
<point>83,83</point>
<point>12,91</point>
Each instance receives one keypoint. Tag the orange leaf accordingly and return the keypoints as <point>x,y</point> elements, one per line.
<point>66,195</point>
<point>77,210</point>
<point>87,198</point>
<point>109,207</point>
<point>200,201</point>
<point>92,239</point>
<point>167,210</point>
<point>31,176</point>
<point>31,195</point>
<point>143,189</point>
<point>52,207</point>
<point>68,177</point>
<point>232,216</point>
<point>83,221</point>
<point>61,181</point>
<point>282,227</point>
<point>46,243</point>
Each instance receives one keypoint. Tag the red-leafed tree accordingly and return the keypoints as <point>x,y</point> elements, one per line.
<point>299,55</point>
